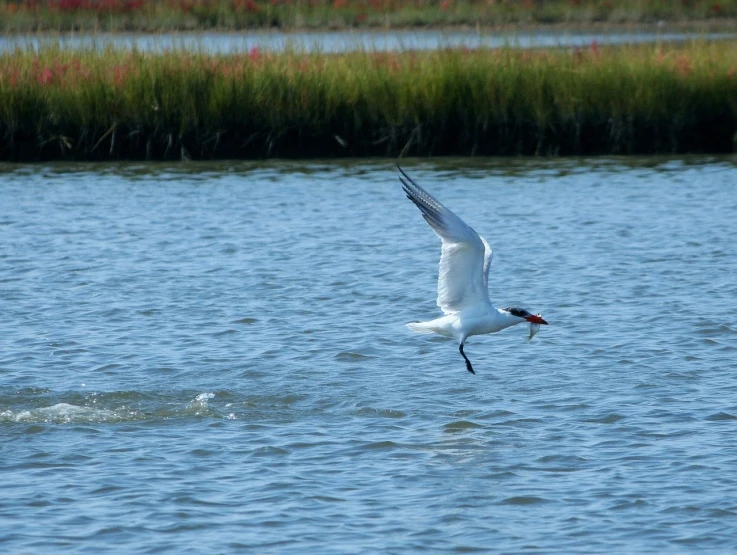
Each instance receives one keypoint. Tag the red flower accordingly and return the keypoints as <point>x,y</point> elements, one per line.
<point>594,48</point>
<point>120,75</point>
<point>247,5</point>
<point>683,65</point>
<point>45,77</point>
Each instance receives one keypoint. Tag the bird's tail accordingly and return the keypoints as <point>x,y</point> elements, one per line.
<point>421,327</point>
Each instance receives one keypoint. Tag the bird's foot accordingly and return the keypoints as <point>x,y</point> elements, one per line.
<point>469,367</point>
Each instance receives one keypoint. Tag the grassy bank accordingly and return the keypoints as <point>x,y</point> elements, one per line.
<point>173,15</point>
<point>117,104</point>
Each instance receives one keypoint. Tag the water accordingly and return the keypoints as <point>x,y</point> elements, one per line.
<point>339,41</point>
<point>212,357</point>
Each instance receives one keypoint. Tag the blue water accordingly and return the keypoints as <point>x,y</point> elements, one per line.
<point>339,41</point>
<point>213,358</point>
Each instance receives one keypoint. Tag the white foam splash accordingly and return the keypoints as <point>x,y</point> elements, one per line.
<point>199,406</point>
<point>91,412</point>
<point>61,413</point>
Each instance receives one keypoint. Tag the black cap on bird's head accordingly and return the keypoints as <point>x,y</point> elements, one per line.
<point>523,313</point>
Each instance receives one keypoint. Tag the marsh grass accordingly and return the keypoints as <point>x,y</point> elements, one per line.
<point>176,15</point>
<point>127,104</point>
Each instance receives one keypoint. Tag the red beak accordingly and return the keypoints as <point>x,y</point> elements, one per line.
<point>536,319</point>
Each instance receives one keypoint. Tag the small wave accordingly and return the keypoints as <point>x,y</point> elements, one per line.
<point>199,405</point>
<point>64,413</point>
<point>380,445</point>
<point>709,328</point>
<point>222,333</point>
<point>461,425</point>
<point>351,357</point>
<point>269,451</point>
<point>721,416</point>
<point>124,406</point>
<point>381,413</point>
<point>605,419</point>
<point>524,500</point>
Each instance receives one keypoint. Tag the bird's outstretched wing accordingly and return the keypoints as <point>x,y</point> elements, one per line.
<point>465,256</point>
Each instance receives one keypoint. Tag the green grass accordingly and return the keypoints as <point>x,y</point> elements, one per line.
<point>173,15</point>
<point>118,104</point>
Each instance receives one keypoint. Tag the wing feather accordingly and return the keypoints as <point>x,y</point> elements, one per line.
<point>465,257</point>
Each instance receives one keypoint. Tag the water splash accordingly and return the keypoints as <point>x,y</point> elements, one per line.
<point>65,413</point>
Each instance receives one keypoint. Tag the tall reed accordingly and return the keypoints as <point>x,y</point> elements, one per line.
<point>131,104</point>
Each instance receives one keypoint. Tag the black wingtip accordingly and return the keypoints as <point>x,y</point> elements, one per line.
<point>404,173</point>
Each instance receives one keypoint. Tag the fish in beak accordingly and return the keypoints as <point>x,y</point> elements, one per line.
<point>535,321</point>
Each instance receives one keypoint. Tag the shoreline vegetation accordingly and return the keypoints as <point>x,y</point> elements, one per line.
<point>32,16</point>
<point>122,104</point>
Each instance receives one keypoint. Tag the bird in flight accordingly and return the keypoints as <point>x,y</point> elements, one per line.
<point>463,280</point>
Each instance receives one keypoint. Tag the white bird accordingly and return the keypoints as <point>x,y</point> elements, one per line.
<point>463,280</point>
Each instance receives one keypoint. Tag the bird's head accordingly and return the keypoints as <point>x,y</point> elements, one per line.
<point>525,314</point>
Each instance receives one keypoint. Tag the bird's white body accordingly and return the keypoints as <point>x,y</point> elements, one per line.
<point>463,278</point>
<point>462,325</point>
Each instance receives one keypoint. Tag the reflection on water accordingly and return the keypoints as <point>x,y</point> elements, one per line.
<point>338,41</point>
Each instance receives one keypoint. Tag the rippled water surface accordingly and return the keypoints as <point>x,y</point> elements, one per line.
<point>213,358</point>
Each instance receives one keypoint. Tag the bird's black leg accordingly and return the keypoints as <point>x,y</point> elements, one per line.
<point>468,362</point>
